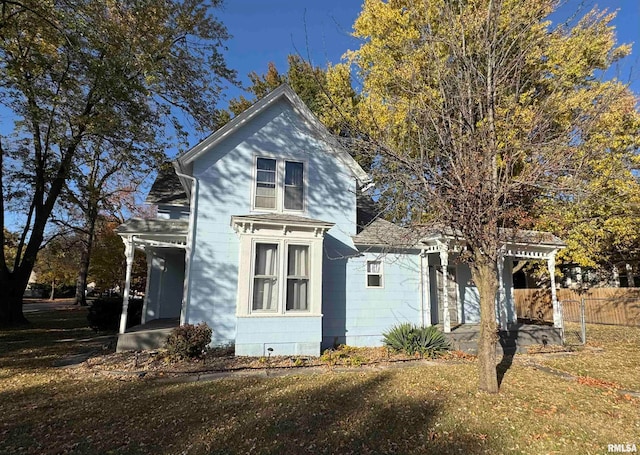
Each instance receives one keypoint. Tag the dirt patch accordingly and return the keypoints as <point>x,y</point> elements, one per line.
<point>151,364</point>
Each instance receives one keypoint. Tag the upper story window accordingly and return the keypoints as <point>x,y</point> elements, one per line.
<point>279,185</point>
<point>266,184</point>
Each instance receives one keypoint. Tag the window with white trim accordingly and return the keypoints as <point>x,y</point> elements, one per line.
<point>265,196</point>
<point>298,278</point>
<point>374,274</point>
<point>273,264</point>
<point>279,185</point>
<point>265,277</point>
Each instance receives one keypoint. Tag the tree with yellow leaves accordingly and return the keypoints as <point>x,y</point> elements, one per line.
<point>471,110</point>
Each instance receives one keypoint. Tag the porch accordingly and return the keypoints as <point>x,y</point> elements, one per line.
<point>514,339</point>
<point>150,335</point>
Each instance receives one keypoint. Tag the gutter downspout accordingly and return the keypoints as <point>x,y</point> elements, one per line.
<point>188,254</point>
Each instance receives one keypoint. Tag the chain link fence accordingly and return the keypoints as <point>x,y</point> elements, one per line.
<point>576,314</point>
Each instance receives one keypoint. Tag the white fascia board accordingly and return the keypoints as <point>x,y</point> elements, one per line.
<point>298,105</point>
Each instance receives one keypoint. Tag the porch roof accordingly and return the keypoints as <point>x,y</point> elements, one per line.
<point>383,233</point>
<point>159,233</point>
<point>156,226</point>
<point>518,242</point>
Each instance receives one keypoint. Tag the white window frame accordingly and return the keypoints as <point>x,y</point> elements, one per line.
<point>314,278</point>
<point>280,183</point>
<point>380,274</point>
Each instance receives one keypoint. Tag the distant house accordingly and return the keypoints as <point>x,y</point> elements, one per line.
<point>260,235</point>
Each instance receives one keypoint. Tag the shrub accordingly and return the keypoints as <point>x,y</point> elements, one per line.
<point>412,339</point>
<point>188,341</point>
<point>104,313</point>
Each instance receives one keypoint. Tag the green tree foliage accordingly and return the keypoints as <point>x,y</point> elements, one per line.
<point>471,110</point>
<point>108,262</point>
<point>77,75</point>
<point>599,219</point>
<point>57,263</point>
<point>328,93</point>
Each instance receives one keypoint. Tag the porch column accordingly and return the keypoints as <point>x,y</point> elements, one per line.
<point>616,276</point>
<point>557,310</point>
<point>425,298</point>
<point>444,263</point>
<point>502,296</point>
<point>145,307</point>
<point>128,252</point>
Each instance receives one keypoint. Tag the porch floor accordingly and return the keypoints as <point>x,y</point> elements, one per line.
<point>150,335</point>
<point>514,339</point>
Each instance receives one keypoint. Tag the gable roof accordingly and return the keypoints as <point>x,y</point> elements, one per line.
<point>282,92</point>
<point>386,234</point>
<point>167,189</point>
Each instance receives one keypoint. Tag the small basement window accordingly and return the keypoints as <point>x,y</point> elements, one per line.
<point>374,274</point>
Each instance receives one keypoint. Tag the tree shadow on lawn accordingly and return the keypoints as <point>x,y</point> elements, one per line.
<point>335,413</point>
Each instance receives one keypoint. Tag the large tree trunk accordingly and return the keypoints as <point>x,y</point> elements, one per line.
<point>485,274</point>
<point>11,292</point>
<point>52,295</point>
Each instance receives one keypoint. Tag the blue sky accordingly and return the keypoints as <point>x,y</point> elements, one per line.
<point>265,31</point>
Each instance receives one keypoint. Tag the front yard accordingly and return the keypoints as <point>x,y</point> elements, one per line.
<point>417,409</point>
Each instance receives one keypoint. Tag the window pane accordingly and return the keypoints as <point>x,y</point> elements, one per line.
<point>373,266</point>
<point>266,164</point>
<point>294,186</point>
<point>265,196</point>
<point>297,294</point>
<point>266,177</point>
<point>266,259</point>
<point>298,264</point>
<point>297,278</point>
<point>374,281</point>
<point>293,198</point>
<point>293,173</point>
<point>265,282</point>
<point>265,293</point>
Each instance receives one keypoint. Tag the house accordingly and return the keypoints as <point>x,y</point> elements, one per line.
<point>260,235</point>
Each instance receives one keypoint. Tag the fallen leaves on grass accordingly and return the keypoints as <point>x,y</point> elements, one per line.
<point>595,382</point>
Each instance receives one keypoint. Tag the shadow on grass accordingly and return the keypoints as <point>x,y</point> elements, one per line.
<point>359,412</point>
<point>335,413</point>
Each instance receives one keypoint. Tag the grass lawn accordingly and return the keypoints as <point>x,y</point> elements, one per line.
<point>410,410</point>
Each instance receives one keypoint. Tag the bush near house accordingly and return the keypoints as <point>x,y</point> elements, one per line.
<point>188,341</point>
<point>411,339</point>
<point>104,313</point>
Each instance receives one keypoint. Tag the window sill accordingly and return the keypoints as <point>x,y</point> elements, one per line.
<point>280,315</point>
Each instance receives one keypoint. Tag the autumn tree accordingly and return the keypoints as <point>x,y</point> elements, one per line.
<point>74,74</point>
<point>468,108</point>
<point>328,93</point>
<point>599,219</point>
<point>57,262</point>
<point>101,184</point>
<point>108,263</point>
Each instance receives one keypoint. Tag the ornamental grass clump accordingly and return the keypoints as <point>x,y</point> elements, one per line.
<point>411,339</point>
<point>188,341</point>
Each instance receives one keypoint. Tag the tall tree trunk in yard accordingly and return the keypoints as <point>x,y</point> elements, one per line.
<point>485,274</point>
<point>53,290</point>
<point>12,286</point>
<point>85,261</point>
